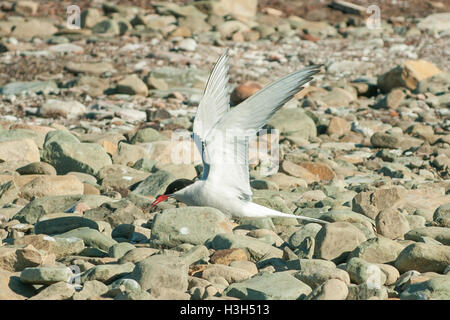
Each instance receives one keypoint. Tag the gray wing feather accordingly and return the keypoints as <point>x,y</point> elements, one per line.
<point>254,112</point>
<point>214,104</point>
<point>229,155</point>
<point>216,99</point>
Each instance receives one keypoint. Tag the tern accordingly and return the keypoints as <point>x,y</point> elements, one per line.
<point>221,136</point>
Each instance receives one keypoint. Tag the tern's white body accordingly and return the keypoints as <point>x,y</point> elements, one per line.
<point>221,135</point>
<point>201,193</point>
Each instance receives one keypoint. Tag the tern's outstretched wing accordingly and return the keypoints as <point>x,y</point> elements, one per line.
<point>227,144</point>
<point>214,104</point>
<point>254,112</point>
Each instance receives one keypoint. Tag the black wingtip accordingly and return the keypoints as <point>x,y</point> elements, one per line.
<point>316,67</point>
<point>226,52</point>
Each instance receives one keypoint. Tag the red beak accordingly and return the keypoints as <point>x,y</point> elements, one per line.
<point>161,198</point>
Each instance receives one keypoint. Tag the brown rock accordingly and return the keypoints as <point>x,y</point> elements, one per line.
<point>417,279</point>
<point>441,162</point>
<point>336,97</point>
<point>26,8</point>
<point>34,28</point>
<point>332,289</point>
<point>89,68</point>
<point>407,75</point>
<point>91,289</point>
<point>228,273</point>
<point>93,85</point>
<point>13,259</point>
<point>365,89</point>
<point>17,150</point>
<point>196,269</point>
<point>57,291</point>
<point>390,272</point>
<point>391,224</point>
<point>110,147</point>
<point>8,259</point>
<point>9,191</point>
<point>226,256</point>
<point>161,271</point>
<point>423,258</point>
<point>81,207</point>
<point>387,140</point>
<point>425,200</point>
<point>182,31</point>
<point>251,35</point>
<point>336,240</point>
<point>246,265</point>
<point>321,170</point>
<point>298,171</point>
<point>138,254</point>
<point>338,126</point>
<point>272,11</point>
<point>90,17</point>
<point>45,185</point>
<point>37,168</point>
<point>90,189</point>
<point>372,202</point>
<point>132,85</point>
<point>244,9</point>
<point>309,37</point>
<point>378,250</point>
<point>283,181</point>
<point>155,83</point>
<point>422,131</point>
<point>394,98</point>
<point>243,91</point>
<point>12,289</point>
<point>38,241</point>
<point>238,36</point>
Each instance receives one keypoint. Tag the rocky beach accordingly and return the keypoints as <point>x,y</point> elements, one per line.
<point>97,99</point>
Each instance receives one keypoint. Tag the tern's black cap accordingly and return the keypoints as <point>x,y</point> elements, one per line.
<point>177,185</point>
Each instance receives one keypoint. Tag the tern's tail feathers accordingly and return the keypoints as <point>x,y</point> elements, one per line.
<point>286,215</point>
<point>253,210</point>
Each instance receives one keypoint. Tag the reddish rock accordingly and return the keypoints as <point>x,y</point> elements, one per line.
<point>323,171</point>
<point>298,171</point>
<point>243,91</point>
<point>393,113</point>
<point>309,37</point>
<point>81,207</point>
